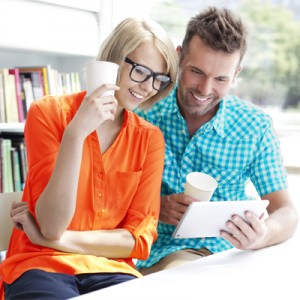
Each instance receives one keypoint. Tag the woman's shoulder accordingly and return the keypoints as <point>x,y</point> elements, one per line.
<point>139,121</point>
<point>63,102</point>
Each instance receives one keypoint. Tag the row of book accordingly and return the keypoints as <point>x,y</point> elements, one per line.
<point>20,86</point>
<point>13,166</point>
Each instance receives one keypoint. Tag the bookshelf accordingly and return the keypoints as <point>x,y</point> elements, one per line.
<point>63,34</point>
<point>41,33</point>
<point>11,128</point>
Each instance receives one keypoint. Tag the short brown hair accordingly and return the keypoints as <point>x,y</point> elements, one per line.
<point>218,28</point>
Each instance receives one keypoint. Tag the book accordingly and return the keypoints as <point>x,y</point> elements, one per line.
<point>50,81</point>
<point>55,87</point>
<point>77,81</point>
<point>66,82</point>
<point>19,144</point>
<point>46,76</point>
<point>7,174</point>
<point>11,107</point>
<point>36,79</point>
<point>2,101</point>
<point>19,93</point>
<point>28,93</point>
<point>16,174</point>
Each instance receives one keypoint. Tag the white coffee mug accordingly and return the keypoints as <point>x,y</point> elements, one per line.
<point>100,72</point>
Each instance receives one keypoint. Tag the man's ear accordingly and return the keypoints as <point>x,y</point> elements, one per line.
<point>238,70</point>
<point>236,73</point>
<point>178,50</point>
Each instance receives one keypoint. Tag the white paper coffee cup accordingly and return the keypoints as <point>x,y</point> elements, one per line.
<point>200,186</point>
<point>100,72</point>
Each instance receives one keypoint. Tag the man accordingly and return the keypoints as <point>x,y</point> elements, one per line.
<point>207,130</point>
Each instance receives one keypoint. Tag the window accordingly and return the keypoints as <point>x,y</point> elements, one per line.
<point>271,67</point>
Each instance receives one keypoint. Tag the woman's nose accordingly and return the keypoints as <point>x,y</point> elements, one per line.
<point>147,85</point>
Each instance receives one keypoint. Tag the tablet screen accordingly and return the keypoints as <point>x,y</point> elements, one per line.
<point>206,219</point>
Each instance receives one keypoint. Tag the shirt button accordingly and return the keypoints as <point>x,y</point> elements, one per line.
<point>100,175</point>
<point>99,194</point>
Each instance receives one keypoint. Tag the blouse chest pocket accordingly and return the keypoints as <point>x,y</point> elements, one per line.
<point>126,187</point>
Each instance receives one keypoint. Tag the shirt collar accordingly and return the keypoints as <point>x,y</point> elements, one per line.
<point>217,122</point>
<point>170,104</point>
<point>219,119</point>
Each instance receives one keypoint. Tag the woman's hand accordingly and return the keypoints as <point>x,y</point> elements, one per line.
<point>23,220</point>
<point>94,110</point>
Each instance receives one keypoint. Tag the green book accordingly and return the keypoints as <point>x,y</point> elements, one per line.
<point>7,172</point>
<point>16,170</point>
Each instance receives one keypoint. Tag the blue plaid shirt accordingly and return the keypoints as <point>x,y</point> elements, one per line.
<point>237,145</point>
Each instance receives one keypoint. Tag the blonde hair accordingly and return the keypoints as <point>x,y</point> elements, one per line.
<point>129,35</point>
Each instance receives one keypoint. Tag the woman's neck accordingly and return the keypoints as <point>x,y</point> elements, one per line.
<point>109,130</point>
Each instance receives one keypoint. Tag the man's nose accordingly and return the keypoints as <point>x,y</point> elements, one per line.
<point>205,86</point>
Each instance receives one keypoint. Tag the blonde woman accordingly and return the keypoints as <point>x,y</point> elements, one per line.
<point>95,171</point>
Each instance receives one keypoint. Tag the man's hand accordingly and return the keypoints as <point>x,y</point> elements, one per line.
<point>173,207</point>
<point>244,235</point>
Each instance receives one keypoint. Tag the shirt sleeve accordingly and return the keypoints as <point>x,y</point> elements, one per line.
<point>267,171</point>
<point>143,214</point>
<point>42,139</point>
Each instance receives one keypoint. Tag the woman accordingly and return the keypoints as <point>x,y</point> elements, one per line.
<point>95,168</point>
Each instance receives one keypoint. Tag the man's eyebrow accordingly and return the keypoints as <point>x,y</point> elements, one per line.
<point>223,77</point>
<point>196,68</point>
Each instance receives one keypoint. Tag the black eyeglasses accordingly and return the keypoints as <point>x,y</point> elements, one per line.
<point>140,73</point>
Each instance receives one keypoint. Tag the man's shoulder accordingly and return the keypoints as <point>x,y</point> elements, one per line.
<point>245,115</point>
<point>236,107</point>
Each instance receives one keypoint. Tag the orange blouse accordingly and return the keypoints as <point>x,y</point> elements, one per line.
<point>119,189</point>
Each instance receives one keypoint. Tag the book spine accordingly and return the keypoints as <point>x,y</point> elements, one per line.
<point>11,107</point>
<point>7,177</point>
<point>2,100</point>
<point>19,95</point>
<point>17,185</point>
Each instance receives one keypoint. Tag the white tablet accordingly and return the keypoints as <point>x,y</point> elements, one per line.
<point>206,219</point>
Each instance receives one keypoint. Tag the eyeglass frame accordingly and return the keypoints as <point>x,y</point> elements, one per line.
<point>152,74</point>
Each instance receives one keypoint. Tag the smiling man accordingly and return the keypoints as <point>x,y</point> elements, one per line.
<point>207,130</point>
